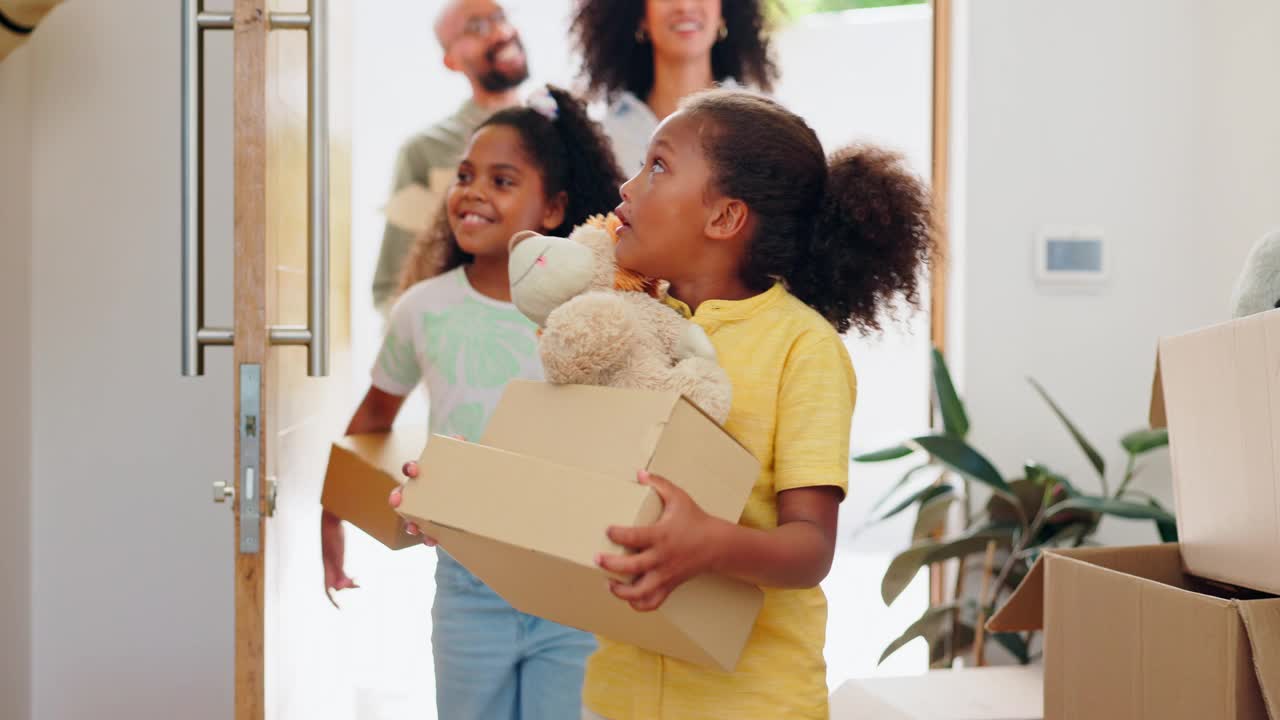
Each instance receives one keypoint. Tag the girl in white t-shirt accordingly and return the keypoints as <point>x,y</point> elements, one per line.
<point>545,167</point>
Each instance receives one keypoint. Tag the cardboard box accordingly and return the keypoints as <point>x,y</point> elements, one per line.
<point>1128,635</point>
<point>526,510</point>
<point>988,693</point>
<point>1219,391</point>
<point>363,470</point>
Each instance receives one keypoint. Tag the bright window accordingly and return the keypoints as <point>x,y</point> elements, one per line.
<point>799,8</point>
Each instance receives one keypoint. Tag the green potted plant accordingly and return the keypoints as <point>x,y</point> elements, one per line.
<point>1023,515</point>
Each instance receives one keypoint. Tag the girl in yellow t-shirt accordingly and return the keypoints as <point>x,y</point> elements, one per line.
<point>773,250</point>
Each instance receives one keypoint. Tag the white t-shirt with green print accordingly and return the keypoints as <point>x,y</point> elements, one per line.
<point>465,347</point>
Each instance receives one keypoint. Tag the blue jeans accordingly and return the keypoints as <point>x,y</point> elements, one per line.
<point>495,663</point>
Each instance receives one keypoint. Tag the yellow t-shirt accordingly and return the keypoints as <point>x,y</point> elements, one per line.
<point>793,396</point>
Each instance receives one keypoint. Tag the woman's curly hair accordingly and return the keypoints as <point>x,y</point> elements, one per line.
<point>613,61</point>
<point>574,157</point>
<point>850,236</point>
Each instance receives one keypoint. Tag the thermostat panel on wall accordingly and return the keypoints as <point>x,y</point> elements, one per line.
<point>1071,256</point>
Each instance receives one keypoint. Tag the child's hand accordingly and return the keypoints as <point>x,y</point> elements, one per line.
<point>410,471</point>
<point>675,548</point>
<point>332,549</point>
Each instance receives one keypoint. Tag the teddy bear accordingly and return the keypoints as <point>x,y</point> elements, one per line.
<point>605,325</point>
<point>1258,287</point>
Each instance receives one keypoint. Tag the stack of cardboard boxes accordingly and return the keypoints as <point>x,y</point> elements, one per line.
<point>1191,630</point>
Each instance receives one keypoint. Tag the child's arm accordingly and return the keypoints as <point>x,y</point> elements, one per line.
<point>685,542</point>
<point>811,466</point>
<point>376,413</point>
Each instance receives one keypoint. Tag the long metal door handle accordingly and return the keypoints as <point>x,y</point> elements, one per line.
<point>195,336</point>
<point>315,336</point>
<point>318,189</point>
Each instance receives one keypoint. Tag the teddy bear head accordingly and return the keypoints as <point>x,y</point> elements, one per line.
<point>547,271</point>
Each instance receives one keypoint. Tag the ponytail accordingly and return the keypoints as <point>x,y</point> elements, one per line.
<point>872,237</point>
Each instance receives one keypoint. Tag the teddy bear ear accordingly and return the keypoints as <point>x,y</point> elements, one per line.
<point>519,238</point>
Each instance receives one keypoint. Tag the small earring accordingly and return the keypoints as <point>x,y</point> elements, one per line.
<point>641,35</point>
<point>724,30</point>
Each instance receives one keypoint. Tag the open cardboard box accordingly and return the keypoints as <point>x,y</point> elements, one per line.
<point>1128,635</point>
<point>1218,391</point>
<point>363,470</point>
<point>1185,630</point>
<point>527,508</point>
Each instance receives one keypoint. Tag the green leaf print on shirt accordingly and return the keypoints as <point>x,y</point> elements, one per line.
<point>466,420</point>
<point>398,360</point>
<point>485,344</point>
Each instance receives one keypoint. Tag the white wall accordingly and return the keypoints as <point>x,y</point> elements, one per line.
<point>15,385</point>
<point>131,580</point>
<point>1154,120</point>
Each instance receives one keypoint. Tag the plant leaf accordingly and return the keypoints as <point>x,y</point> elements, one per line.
<point>961,636</point>
<point>1062,482</point>
<point>1094,458</point>
<point>1036,473</point>
<point>1016,575</point>
<point>1168,530</point>
<point>923,495</point>
<point>955,421</point>
<point>1014,643</point>
<point>1033,554</point>
<point>1054,534</point>
<point>927,626</point>
<point>906,477</point>
<point>932,518</point>
<point>1030,497</point>
<point>959,456</point>
<point>1111,506</point>
<point>903,568</point>
<point>893,453</point>
<point>1143,441</point>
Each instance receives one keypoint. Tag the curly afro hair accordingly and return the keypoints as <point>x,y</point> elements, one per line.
<point>574,157</point>
<point>612,60</point>
<point>850,236</point>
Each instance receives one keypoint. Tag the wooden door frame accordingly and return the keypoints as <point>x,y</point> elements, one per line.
<point>251,332</point>
<point>939,179</point>
<point>939,182</point>
<point>274,139</point>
